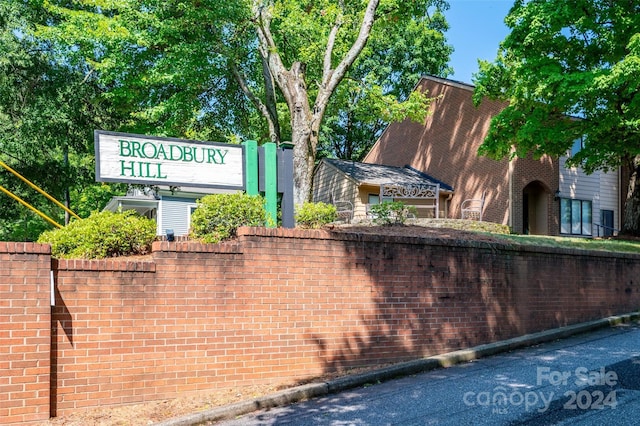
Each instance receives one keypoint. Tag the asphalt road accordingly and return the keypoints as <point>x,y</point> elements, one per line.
<point>589,379</point>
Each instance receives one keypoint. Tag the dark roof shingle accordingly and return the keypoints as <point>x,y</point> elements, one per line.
<point>377,174</point>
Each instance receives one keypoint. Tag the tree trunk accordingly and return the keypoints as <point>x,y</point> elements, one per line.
<point>631,217</point>
<point>305,120</point>
<point>302,136</point>
<point>303,164</point>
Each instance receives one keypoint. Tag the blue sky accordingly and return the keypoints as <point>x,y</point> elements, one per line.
<point>476,27</point>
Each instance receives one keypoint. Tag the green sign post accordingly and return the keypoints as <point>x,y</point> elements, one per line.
<point>267,173</point>
<point>251,167</point>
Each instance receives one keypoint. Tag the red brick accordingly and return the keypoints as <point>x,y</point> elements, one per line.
<point>205,318</point>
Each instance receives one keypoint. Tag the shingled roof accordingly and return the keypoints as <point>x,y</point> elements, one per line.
<point>377,174</point>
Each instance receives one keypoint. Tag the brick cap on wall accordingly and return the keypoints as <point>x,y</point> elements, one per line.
<point>345,235</point>
<point>245,234</point>
<point>231,246</point>
<point>22,248</point>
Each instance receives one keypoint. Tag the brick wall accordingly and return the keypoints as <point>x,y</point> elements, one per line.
<point>539,179</point>
<point>284,305</point>
<point>24,332</point>
<point>446,147</point>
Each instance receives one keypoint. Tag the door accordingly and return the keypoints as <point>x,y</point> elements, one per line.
<point>535,209</point>
<point>607,222</point>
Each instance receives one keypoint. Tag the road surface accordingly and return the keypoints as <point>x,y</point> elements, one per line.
<point>589,379</point>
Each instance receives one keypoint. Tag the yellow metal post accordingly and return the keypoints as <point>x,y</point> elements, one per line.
<point>29,206</point>
<point>32,185</point>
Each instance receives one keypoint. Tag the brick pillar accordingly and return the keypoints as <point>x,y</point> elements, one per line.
<point>25,329</point>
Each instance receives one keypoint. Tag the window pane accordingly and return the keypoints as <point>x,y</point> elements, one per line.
<point>374,199</point>
<point>576,147</point>
<point>565,216</point>
<point>576,222</point>
<point>586,217</point>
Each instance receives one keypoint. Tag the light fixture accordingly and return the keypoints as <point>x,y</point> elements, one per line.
<point>556,196</point>
<point>170,235</point>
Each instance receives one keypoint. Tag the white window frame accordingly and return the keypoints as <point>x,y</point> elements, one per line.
<point>191,207</point>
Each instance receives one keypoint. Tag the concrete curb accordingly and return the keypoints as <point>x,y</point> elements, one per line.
<point>312,390</point>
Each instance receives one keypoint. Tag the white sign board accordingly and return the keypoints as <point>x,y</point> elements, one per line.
<point>129,158</point>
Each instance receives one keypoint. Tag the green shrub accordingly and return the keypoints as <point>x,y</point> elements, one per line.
<point>218,216</point>
<point>314,215</point>
<point>390,213</point>
<point>102,235</point>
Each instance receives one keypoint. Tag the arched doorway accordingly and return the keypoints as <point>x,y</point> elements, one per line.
<point>535,198</point>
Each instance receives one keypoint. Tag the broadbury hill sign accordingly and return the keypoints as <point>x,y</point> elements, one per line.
<point>129,158</point>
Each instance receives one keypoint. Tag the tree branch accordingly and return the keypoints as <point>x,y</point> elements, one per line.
<point>326,68</point>
<point>272,122</point>
<point>268,49</point>
<point>270,101</point>
<point>331,79</point>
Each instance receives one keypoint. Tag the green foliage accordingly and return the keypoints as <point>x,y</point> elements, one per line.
<point>168,66</point>
<point>564,59</point>
<point>218,216</point>
<point>102,235</point>
<point>392,212</point>
<point>569,70</point>
<point>379,87</point>
<point>93,197</point>
<point>21,224</point>
<point>315,215</point>
<point>198,70</point>
<point>48,110</point>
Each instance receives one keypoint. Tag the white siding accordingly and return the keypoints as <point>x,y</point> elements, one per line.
<point>610,196</point>
<point>600,188</point>
<point>175,214</point>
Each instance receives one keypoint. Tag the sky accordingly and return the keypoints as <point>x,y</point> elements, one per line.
<point>476,28</point>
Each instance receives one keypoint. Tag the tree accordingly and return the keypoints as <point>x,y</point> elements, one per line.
<point>570,69</point>
<point>396,56</point>
<point>228,69</point>
<point>47,112</point>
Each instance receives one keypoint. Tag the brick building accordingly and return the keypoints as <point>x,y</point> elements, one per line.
<point>531,196</point>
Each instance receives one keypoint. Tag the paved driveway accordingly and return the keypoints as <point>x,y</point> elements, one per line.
<point>590,379</point>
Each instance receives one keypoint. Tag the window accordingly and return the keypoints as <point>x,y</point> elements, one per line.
<point>575,217</point>
<point>190,209</point>
<point>375,199</point>
<point>577,146</point>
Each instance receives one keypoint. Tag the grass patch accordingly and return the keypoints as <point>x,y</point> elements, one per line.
<point>501,232</point>
<point>462,225</point>
<point>602,244</point>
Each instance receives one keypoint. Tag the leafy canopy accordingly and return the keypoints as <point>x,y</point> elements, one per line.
<point>178,68</point>
<point>48,110</point>
<point>568,69</point>
<point>256,69</point>
<point>379,87</point>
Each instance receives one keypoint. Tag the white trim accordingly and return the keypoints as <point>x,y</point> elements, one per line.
<point>190,206</point>
<point>159,230</point>
<point>52,289</point>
